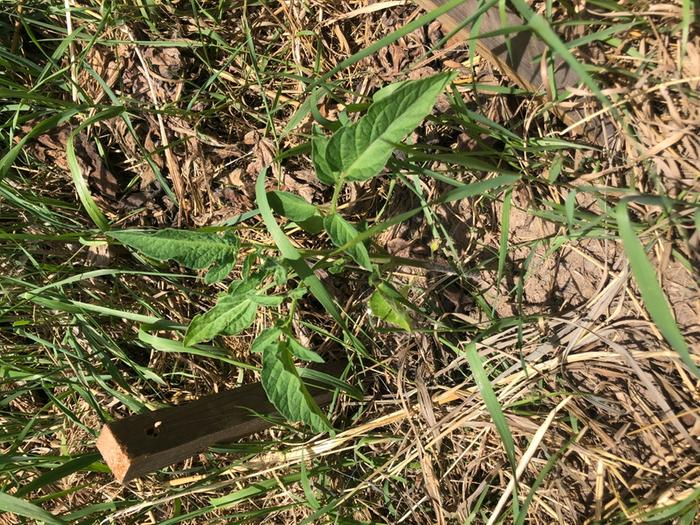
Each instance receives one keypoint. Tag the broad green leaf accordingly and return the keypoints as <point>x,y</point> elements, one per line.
<point>312,225</point>
<point>297,262</point>
<point>268,300</point>
<point>384,92</point>
<point>271,337</point>
<point>25,509</point>
<point>280,273</point>
<point>221,269</point>
<point>266,338</point>
<point>304,109</point>
<point>231,315</point>
<point>190,248</point>
<point>303,353</point>
<point>389,310</point>
<point>319,144</point>
<point>242,287</point>
<point>341,232</point>
<point>291,206</point>
<point>286,391</point>
<point>360,151</point>
<point>654,298</point>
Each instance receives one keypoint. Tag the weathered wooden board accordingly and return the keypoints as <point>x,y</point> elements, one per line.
<point>523,65</point>
<point>142,443</point>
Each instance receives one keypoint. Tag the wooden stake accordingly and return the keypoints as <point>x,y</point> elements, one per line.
<point>142,443</point>
<point>523,67</point>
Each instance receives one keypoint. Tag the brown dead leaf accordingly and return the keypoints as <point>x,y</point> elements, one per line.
<point>262,153</point>
<point>166,62</point>
<point>98,256</point>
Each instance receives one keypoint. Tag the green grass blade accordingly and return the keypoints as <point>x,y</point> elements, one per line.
<point>8,158</point>
<point>23,508</point>
<point>297,262</point>
<point>462,191</point>
<point>82,188</point>
<point>290,253</point>
<point>162,344</point>
<point>321,378</point>
<point>58,473</point>
<point>542,28</point>
<point>254,489</point>
<point>654,298</point>
<point>505,230</point>
<point>81,307</point>
<point>551,462</point>
<point>494,407</point>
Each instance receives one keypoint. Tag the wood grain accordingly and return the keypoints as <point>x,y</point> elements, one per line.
<point>142,443</point>
<point>524,65</point>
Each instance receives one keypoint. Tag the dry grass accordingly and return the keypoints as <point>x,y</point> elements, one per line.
<point>603,415</point>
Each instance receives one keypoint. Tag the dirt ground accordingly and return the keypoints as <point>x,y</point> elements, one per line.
<point>627,432</point>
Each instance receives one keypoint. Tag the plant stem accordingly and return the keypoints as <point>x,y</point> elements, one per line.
<point>336,192</point>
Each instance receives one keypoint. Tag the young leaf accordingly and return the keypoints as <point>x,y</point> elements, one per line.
<point>231,315</point>
<point>389,310</point>
<point>342,232</point>
<point>388,90</point>
<point>242,287</point>
<point>319,144</point>
<point>267,300</point>
<point>269,337</point>
<point>303,353</point>
<point>297,262</point>
<point>291,206</point>
<point>286,391</point>
<point>312,225</point>
<point>190,248</point>
<point>360,151</point>
<point>221,269</point>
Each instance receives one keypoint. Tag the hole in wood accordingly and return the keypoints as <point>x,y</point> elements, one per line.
<point>154,430</point>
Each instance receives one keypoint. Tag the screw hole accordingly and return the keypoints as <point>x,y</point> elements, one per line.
<point>154,430</point>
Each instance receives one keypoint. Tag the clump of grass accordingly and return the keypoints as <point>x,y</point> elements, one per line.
<point>519,359</point>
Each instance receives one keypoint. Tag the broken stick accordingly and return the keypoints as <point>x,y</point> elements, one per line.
<point>139,444</point>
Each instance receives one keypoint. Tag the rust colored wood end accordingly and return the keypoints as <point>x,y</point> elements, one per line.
<point>113,453</point>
